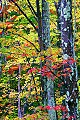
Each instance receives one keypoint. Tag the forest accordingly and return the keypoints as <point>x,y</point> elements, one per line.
<point>39,60</point>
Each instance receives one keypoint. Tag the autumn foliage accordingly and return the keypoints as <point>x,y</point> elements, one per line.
<point>18,43</point>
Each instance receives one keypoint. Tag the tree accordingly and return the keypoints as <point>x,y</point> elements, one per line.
<point>48,83</point>
<point>2,57</point>
<point>31,65</point>
<point>64,9</point>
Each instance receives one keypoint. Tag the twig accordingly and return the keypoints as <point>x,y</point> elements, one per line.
<point>31,7</point>
<point>25,15</point>
<point>28,41</point>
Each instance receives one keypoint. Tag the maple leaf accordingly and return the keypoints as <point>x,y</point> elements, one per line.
<point>48,107</point>
<point>57,107</point>
<point>32,70</point>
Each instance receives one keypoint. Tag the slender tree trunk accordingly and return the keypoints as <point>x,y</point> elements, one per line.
<point>40,44</point>
<point>39,25</point>
<point>68,53</point>
<point>19,102</point>
<point>2,19</point>
<point>48,83</point>
<point>0,64</point>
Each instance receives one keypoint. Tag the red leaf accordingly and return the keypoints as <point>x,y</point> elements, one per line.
<point>9,57</point>
<point>9,26</point>
<point>36,97</point>
<point>26,44</point>
<point>57,107</point>
<point>13,18</point>
<point>25,55</point>
<point>8,23</point>
<point>1,32</point>
<point>64,61</point>
<point>32,70</point>
<point>59,85</point>
<point>63,108</point>
<point>49,74</point>
<point>71,60</point>
<point>37,27</point>
<point>54,67</point>
<point>71,117</point>
<point>41,108</point>
<point>48,107</point>
<point>0,7</point>
<point>12,69</point>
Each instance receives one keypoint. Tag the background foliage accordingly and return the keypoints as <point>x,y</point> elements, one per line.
<point>18,46</point>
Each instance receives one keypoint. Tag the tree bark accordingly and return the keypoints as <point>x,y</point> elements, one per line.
<point>0,64</point>
<point>48,83</point>
<point>68,53</point>
<point>19,102</point>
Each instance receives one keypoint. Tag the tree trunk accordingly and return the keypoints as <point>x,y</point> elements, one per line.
<point>2,19</point>
<point>69,53</point>
<point>0,64</point>
<point>19,102</point>
<point>48,83</point>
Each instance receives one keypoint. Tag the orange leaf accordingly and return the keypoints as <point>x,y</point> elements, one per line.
<point>13,18</point>
<point>9,26</point>
<point>52,12</point>
<point>0,7</point>
<point>8,23</point>
<point>9,57</point>
<point>14,68</point>
<point>37,27</point>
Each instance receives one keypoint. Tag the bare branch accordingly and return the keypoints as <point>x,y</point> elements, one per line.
<point>31,8</point>
<point>28,41</point>
<point>33,13</point>
<point>25,15</point>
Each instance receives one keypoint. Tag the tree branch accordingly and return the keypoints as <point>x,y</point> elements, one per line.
<point>25,15</point>
<point>33,13</point>
<point>39,25</point>
<point>28,41</point>
<point>31,8</point>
